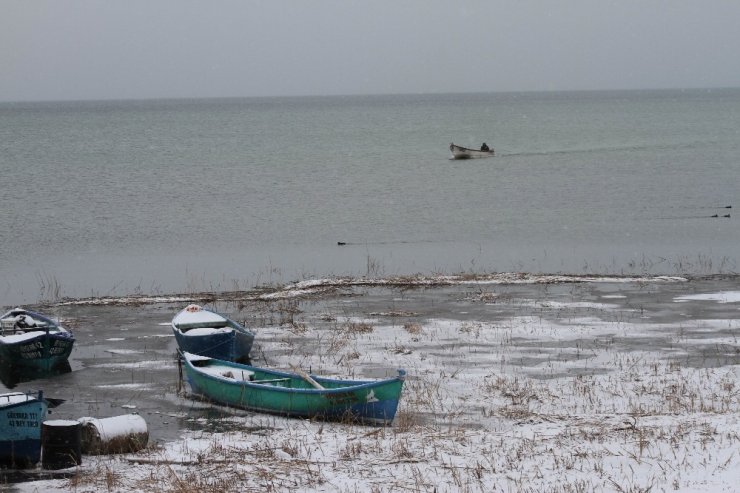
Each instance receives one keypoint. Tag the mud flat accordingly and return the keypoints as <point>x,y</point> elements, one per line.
<point>516,383</point>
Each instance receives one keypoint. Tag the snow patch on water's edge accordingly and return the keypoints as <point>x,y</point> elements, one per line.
<point>317,287</point>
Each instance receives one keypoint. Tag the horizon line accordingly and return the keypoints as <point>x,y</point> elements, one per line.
<point>340,95</point>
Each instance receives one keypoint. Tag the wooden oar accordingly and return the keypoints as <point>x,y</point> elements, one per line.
<point>307,377</point>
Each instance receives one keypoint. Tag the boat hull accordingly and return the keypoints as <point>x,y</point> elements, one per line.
<point>459,152</point>
<point>212,335</point>
<point>20,429</point>
<point>32,341</point>
<point>43,352</point>
<point>368,402</point>
<point>229,346</point>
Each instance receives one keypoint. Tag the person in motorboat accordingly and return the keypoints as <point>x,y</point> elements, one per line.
<point>485,147</point>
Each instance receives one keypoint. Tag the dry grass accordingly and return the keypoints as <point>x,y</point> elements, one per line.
<point>412,327</point>
<point>560,397</point>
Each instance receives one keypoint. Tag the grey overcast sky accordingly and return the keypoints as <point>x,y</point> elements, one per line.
<point>122,49</point>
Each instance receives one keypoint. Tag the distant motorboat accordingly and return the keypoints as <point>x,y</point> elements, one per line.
<point>207,333</point>
<point>31,340</point>
<point>459,152</point>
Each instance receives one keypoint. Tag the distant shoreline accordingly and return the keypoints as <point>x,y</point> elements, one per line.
<point>322,286</point>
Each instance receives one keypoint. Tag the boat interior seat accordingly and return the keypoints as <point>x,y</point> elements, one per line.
<point>206,325</point>
<point>242,376</point>
<point>271,380</point>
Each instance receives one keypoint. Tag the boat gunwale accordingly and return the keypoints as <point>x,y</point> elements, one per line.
<point>490,151</point>
<point>30,399</point>
<point>52,326</point>
<point>34,334</point>
<point>233,330</point>
<point>349,385</point>
<point>229,324</point>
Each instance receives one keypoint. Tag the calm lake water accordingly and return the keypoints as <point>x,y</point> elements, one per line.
<point>104,198</point>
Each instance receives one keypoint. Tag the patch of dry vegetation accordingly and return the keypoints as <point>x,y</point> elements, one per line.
<point>544,400</point>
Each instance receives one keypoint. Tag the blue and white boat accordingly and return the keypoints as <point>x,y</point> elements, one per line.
<point>207,333</point>
<point>21,415</point>
<point>31,340</point>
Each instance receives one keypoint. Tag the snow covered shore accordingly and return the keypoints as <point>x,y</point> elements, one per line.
<point>552,389</point>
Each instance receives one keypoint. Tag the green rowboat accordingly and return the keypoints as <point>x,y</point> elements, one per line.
<point>294,394</point>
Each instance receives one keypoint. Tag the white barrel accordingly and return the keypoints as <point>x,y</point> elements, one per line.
<point>115,435</point>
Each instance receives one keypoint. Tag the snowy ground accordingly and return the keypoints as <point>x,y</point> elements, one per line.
<point>555,388</point>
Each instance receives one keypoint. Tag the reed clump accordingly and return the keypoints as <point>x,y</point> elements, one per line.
<point>552,391</point>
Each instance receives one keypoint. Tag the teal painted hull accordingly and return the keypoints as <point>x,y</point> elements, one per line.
<point>20,429</point>
<point>288,394</point>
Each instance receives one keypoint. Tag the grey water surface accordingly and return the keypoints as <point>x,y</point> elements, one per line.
<point>117,197</point>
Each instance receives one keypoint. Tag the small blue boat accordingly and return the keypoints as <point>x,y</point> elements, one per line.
<point>207,333</point>
<point>21,415</point>
<point>31,340</point>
